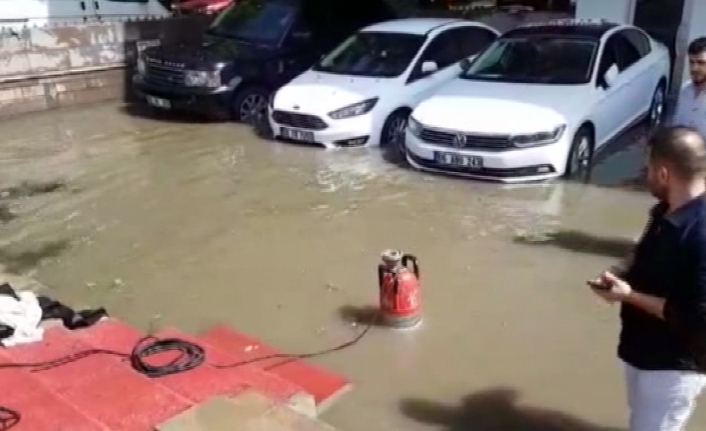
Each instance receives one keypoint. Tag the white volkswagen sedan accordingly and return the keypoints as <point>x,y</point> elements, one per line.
<point>363,91</point>
<point>540,101</point>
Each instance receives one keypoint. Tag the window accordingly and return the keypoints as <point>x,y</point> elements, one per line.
<point>536,60</point>
<point>627,52</point>
<point>639,40</point>
<point>383,55</point>
<point>472,40</point>
<point>608,58</point>
<point>443,50</point>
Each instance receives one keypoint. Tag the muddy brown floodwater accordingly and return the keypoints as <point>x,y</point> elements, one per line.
<point>171,223</point>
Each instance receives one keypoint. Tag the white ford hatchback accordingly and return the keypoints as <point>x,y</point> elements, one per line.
<point>363,91</point>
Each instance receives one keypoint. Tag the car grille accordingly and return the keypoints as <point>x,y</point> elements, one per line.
<point>300,121</point>
<point>451,139</point>
<point>164,75</point>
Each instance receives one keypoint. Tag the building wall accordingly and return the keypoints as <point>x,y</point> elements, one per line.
<point>611,10</point>
<point>56,66</point>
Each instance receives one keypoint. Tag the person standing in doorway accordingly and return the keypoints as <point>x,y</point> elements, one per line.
<point>663,290</point>
<point>691,105</point>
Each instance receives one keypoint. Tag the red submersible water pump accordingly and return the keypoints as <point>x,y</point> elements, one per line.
<point>400,296</point>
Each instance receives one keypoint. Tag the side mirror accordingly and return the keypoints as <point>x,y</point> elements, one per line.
<point>610,76</point>
<point>466,63</point>
<point>429,67</point>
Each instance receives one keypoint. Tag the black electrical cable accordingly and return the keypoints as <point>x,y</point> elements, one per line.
<point>8,418</point>
<point>292,356</point>
<point>191,356</point>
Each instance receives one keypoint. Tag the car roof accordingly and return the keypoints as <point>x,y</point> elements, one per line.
<point>420,26</point>
<point>592,29</point>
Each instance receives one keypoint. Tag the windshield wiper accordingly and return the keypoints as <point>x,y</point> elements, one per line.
<point>482,76</point>
<point>219,32</point>
<point>242,39</point>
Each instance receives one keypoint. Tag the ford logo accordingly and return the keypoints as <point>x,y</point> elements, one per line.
<point>460,140</point>
<point>296,107</point>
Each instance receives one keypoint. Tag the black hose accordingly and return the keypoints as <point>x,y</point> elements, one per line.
<point>192,355</point>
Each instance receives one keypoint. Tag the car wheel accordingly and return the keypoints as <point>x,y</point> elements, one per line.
<point>656,112</point>
<point>579,162</point>
<point>393,131</point>
<point>250,104</point>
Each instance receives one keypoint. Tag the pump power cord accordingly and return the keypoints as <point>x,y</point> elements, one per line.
<point>191,356</point>
<point>8,418</point>
<point>293,356</point>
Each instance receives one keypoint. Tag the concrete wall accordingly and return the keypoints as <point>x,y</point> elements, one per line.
<point>612,10</point>
<point>50,67</point>
<point>53,67</point>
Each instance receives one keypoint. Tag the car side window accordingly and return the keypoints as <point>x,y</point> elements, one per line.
<point>472,40</point>
<point>442,50</point>
<point>627,52</point>
<point>608,57</point>
<point>639,40</point>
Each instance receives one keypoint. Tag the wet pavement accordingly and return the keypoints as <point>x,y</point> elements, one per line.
<point>170,223</point>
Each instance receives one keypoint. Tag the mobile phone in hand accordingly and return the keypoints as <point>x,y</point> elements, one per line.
<point>599,286</point>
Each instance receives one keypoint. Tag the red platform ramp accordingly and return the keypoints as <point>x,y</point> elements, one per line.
<point>102,392</point>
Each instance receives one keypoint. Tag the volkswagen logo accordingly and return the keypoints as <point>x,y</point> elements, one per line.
<point>460,140</point>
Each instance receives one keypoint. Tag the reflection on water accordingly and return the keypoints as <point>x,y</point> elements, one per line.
<point>198,223</point>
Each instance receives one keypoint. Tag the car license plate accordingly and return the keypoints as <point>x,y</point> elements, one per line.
<point>459,160</point>
<point>159,103</point>
<point>297,135</point>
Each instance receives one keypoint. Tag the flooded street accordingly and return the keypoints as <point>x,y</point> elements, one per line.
<point>182,224</point>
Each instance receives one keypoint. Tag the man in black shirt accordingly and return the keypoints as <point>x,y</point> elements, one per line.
<point>663,291</point>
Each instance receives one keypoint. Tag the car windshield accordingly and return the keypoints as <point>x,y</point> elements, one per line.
<point>535,60</point>
<point>380,55</point>
<point>254,21</point>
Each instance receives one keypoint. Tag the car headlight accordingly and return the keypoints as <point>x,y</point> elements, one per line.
<point>414,126</point>
<point>354,110</point>
<point>541,138</point>
<point>202,78</point>
<point>141,66</point>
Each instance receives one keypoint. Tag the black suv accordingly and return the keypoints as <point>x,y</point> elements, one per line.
<point>250,49</point>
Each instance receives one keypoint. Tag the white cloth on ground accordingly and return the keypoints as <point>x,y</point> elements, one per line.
<point>24,316</point>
